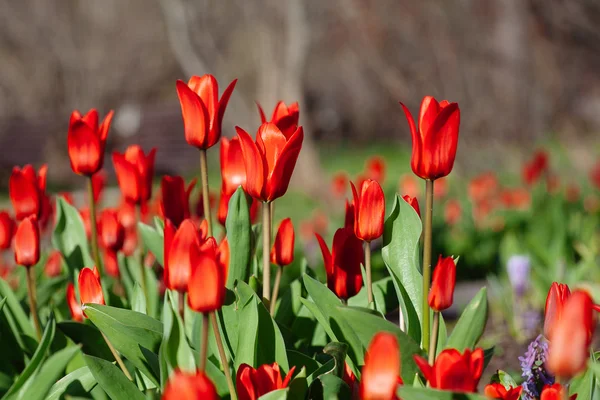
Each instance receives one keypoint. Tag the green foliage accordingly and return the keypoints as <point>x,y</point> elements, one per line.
<point>239,237</point>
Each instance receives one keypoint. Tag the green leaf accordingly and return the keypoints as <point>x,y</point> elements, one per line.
<point>153,240</point>
<point>338,352</point>
<point>504,379</point>
<point>583,384</point>
<point>239,232</point>
<point>384,295</point>
<point>138,301</point>
<point>400,253</point>
<point>471,323</point>
<point>298,387</point>
<point>112,380</point>
<point>417,393</point>
<point>280,394</point>
<point>69,237</point>
<point>2,302</point>
<point>15,315</point>
<point>88,336</point>
<point>329,387</point>
<point>301,360</point>
<point>135,335</point>
<point>77,382</point>
<point>176,349</point>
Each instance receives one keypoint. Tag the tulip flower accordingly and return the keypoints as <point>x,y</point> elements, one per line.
<point>112,232</point>
<point>179,247</point>
<point>86,141</point>
<point>187,386</point>
<point>571,336</point>
<point>90,290</point>
<point>453,371</point>
<point>175,203</point>
<point>380,375</point>
<point>233,173</point>
<point>452,212</point>
<point>555,392</point>
<point>27,191</point>
<point>27,242</point>
<point>253,383</point>
<point>595,175</point>
<point>111,262</point>
<point>206,285</point>
<point>285,117</point>
<point>282,254</point>
<point>53,265</point>
<point>98,183</point>
<point>442,286</point>
<point>202,110</point>
<point>483,186</point>
<point>342,264</point>
<point>555,302</point>
<point>414,203</point>
<point>339,183</point>
<point>498,391</point>
<point>533,170</point>
<point>134,173</point>
<point>349,215</point>
<point>375,168</point>
<point>7,230</point>
<point>74,305</point>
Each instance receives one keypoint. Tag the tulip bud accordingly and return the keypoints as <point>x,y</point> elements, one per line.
<point>27,242</point>
<point>380,375</point>
<point>186,386</point>
<point>555,392</point>
<point>134,173</point>
<point>253,383</point>
<point>27,191</point>
<point>112,232</point>
<point>442,285</point>
<point>74,306</point>
<point>7,230</point>
<point>282,253</point>
<point>453,371</point>
<point>86,141</point>
<point>90,290</point>
<point>206,286</point>
<point>414,203</point>
<point>53,264</point>
<point>555,302</point>
<point>369,210</point>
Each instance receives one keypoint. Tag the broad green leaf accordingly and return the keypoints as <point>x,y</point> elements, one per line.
<point>153,241</point>
<point>583,384</point>
<point>383,293</point>
<point>417,393</point>
<point>504,379</point>
<point>69,237</point>
<point>329,386</point>
<point>301,360</point>
<point>135,335</point>
<point>175,346</point>
<point>337,351</point>
<point>112,380</point>
<point>49,287</point>
<point>239,232</point>
<point>280,394</point>
<point>77,382</point>
<point>298,387</point>
<point>471,323</point>
<point>138,301</point>
<point>15,315</point>
<point>88,336</point>
<point>400,253</point>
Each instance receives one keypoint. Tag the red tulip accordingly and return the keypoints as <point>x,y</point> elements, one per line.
<point>414,203</point>
<point>7,230</point>
<point>112,232</point>
<point>484,186</point>
<point>74,305</point>
<point>555,303</point>
<point>285,117</point>
<point>27,242</point>
<point>86,141</point>
<point>409,185</point>
<point>134,173</point>
<point>179,247</point>
<point>202,110</point>
<point>453,371</point>
<point>282,253</point>
<point>441,293</point>
<point>452,212</point>
<point>533,170</point>
<point>206,286</point>
<point>98,183</point>
<point>253,383</point>
<point>27,191</point>
<point>369,210</point>
<point>270,161</point>
<point>375,168</point>
<point>349,215</point>
<point>175,204</point>
<point>111,262</point>
<point>595,175</point>
<point>380,375</point>
<point>342,265</point>
<point>498,391</point>
<point>187,386</point>
<point>223,254</point>
<point>339,183</point>
<point>90,290</point>
<point>233,173</point>
<point>571,336</point>
<point>555,392</point>
<point>130,243</point>
<point>440,190</point>
<point>436,140</point>
<point>53,265</point>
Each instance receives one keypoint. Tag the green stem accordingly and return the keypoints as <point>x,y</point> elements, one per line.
<point>205,194</point>
<point>427,231</point>
<point>434,337</point>
<point>94,238</point>
<point>276,290</point>
<point>222,355</point>
<point>203,342</point>
<point>266,214</point>
<point>33,301</point>
<point>368,269</point>
<point>141,254</point>
<point>182,306</point>
<point>117,357</point>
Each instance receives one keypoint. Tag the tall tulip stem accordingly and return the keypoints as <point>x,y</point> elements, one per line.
<point>276,290</point>
<point>222,355</point>
<point>94,227</point>
<point>33,301</point>
<point>427,228</point>
<point>203,343</point>
<point>266,215</point>
<point>205,195</point>
<point>434,337</point>
<point>141,250</point>
<point>368,269</point>
<point>117,357</point>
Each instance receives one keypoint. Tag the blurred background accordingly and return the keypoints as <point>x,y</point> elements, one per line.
<point>523,72</point>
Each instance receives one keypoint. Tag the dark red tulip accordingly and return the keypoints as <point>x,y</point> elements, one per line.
<point>187,386</point>
<point>436,139</point>
<point>202,110</point>
<point>414,203</point>
<point>349,215</point>
<point>534,169</point>
<point>270,161</point>
<point>369,210</point>
<point>206,287</point>
<point>453,370</point>
<point>555,392</point>
<point>555,303</point>
<point>282,253</point>
<point>86,141</point>
<point>381,373</point>
<point>175,203</point>
<point>112,232</point>
<point>285,117</point>
<point>27,191</point>
<point>342,264</point>
<point>441,293</point>
<point>7,230</point>
<point>53,265</point>
<point>90,290</point>
<point>74,305</point>
<point>27,242</point>
<point>498,391</point>
<point>134,173</point>
<point>180,248</point>
<point>253,383</point>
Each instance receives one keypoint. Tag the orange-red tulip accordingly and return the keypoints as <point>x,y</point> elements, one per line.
<point>86,141</point>
<point>498,391</point>
<point>179,247</point>
<point>555,392</point>
<point>134,173</point>
<point>375,168</point>
<point>53,265</point>
<point>270,161</point>
<point>74,305</point>
<point>27,242</point>
<point>571,336</point>
<point>414,203</point>
<point>27,191</point>
<point>187,386</point>
<point>206,287</point>
<point>452,370</point>
<point>202,110</point>
<point>380,375</point>
<point>233,173</point>
<point>7,230</point>
<point>90,290</point>
<point>342,264</point>
<point>555,302</point>
<point>435,141</point>
<point>175,202</point>
<point>441,293</point>
<point>282,253</point>
<point>112,232</point>
<point>285,117</point>
<point>253,383</point>
<point>369,210</point>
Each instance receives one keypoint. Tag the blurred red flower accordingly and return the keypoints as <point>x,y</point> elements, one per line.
<point>135,171</point>
<point>414,203</point>
<point>53,265</point>
<point>27,191</point>
<point>74,305</point>
<point>7,230</point>
<point>534,169</point>
<point>86,141</point>
<point>187,386</point>
<point>27,242</point>
<point>498,391</point>
<point>175,199</point>
<point>453,370</point>
<point>381,373</point>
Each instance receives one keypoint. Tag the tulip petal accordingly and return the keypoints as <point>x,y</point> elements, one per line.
<point>283,248</point>
<point>263,118</point>
<point>23,192</point>
<point>105,126</point>
<point>224,101</point>
<point>195,116</point>
<point>127,177</point>
<point>428,112</point>
<point>270,142</point>
<point>85,149</point>
<point>180,256</point>
<point>255,169</point>
<point>91,119</point>
<point>207,89</point>
<point>27,242</point>
<point>281,174</point>
<point>244,384</point>
<point>206,286</point>
<point>417,141</point>
<point>426,369</point>
<point>74,305</point>
<point>441,144</point>
<point>90,291</point>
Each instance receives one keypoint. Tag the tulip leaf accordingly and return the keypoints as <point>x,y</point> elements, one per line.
<point>419,393</point>
<point>583,384</point>
<point>76,383</point>
<point>471,323</point>
<point>280,394</point>
<point>328,386</point>
<point>15,316</point>
<point>138,300</point>
<point>400,253</point>
<point>383,294</point>
<point>88,336</point>
<point>135,335</point>
<point>112,380</point>
<point>153,241</point>
<point>338,352</point>
<point>70,238</point>
<point>301,360</point>
<point>504,379</point>
<point>239,232</point>
<point>298,386</point>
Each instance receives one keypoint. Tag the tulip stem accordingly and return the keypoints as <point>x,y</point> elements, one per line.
<point>117,357</point>
<point>276,290</point>
<point>266,215</point>
<point>182,306</point>
<point>223,356</point>
<point>435,330</point>
<point>33,301</point>
<point>427,228</point>
<point>203,342</point>
<point>368,269</point>
<point>141,249</point>
<point>94,228</point>
<point>205,195</point>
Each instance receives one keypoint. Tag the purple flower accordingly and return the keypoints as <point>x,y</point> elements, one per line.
<point>534,371</point>
<point>518,273</point>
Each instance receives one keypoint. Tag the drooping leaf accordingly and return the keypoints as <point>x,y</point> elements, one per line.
<point>112,380</point>
<point>471,323</point>
<point>69,237</point>
<point>239,232</point>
